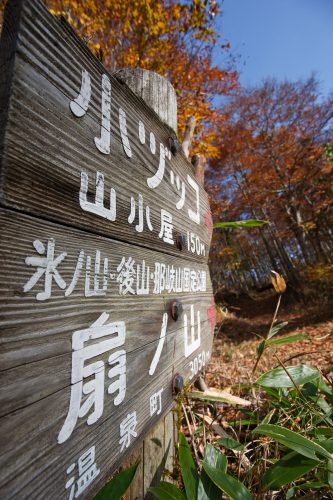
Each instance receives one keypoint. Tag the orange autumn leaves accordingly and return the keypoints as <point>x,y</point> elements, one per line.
<point>172,38</point>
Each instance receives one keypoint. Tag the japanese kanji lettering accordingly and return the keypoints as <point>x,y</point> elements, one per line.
<point>127,430</point>
<point>126,276</point>
<point>93,390</point>
<point>98,206</point>
<point>192,338</point>
<point>79,106</point>
<point>47,267</point>
<point>154,181</point>
<point>96,288</point>
<point>180,186</point>
<point>103,142</point>
<point>155,403</point>
<point>140,226</point>
<point>160,345</point>
<point>86,470</point>
<point>166,227</point>
<point>195,216</point>
<point>123,133</point>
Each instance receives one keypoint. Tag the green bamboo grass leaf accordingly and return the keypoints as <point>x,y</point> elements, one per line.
<point>323,431</point>
<point>231,444</point>
<point>166,491</point>
<point>287,340</point>
<point>207,490</point>
<point>291,467</point>
<point>215,458</point>
<point>241,223</point>
<point>330,473</point>
<point>328,445</point>
<point>188,468</point>
<point>276,328</point>
<point>118,486</point>
<point>294,441</point>
<point>261,347</point>
<point>299,374</point>
<point>310,485</point>
<point>227,483</point>
<point>325,389</point>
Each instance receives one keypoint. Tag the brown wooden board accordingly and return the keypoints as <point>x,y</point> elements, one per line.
<point>50,154</point>
<point>90,280</point>
<point>37,349</point>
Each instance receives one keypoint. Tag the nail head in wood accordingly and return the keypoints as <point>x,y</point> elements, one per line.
<point>174,145</point>
<point>176,310</point>
<point>180,241</point>
<point>178,383</point>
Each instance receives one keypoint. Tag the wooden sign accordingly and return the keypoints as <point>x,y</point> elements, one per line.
<point>105,289</point>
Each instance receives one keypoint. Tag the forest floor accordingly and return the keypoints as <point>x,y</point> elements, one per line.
<point>234,348</point>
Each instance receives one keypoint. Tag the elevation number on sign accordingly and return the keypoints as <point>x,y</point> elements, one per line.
<point>194,244</point>
<point>199,362</point>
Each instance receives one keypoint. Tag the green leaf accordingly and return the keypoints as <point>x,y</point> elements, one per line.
<point>330,473</point>
<point>325,389</point>
<point>261,347</point>
<point>291,467</point>
<point>328,445</point>
<point>287,340</point>
<point>118,485</point>
<point>188,468</point>
<point>166,491</point>
<point>240,223</point>
<point>240,423</point>
<point>231,444</point>
<point>207,490</point>
<point>309,485</point>
<point>310,390</point>
<point>300,374</point>
<point>215,458</point>
<point>276,328</point>
<point>227,483</point>
<point>323,431</point>
<point>294,441</point>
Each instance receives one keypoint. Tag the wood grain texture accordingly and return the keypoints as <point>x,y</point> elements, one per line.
<point>136,491</point>
<point>155,90</point>
<point>46,147</point>
<point>155,456</point>
<point>170,441</point>
<point>65,265</point>
<point>36,353</point>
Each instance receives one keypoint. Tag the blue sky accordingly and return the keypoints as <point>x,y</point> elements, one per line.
<point>280,38</point>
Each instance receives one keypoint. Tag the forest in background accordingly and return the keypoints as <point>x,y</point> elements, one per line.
<point>268,434</point>
<point>268,149</point>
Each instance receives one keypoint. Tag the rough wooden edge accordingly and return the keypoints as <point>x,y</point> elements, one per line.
<point>188,135</point>
<point>155,90</point>
<point>199,165</point>
<point>8,44</point>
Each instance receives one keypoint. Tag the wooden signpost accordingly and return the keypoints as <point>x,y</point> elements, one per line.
<point>105,289</point>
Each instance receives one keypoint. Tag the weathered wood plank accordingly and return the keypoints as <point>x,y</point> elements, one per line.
<point>33,448</point>
<point>37,356</point>
<point>155,457</point>
<point>47,149</point>
<point>170,440</point>
<point>26,322</point>
<point>135,491</point>
<point>104,235</point>
<point>155,90</point>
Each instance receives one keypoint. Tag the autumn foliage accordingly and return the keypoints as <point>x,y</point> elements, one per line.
<point>274,164</point>
<point>269,147</point>
<point>173,38</point>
